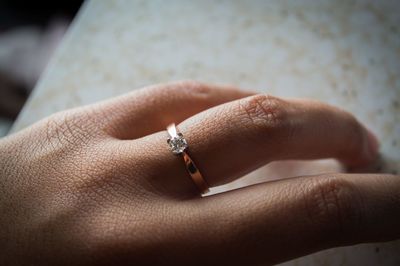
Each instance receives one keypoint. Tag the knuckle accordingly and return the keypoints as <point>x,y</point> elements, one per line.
<point>97,119</point>
<point>54,132</point>
<point>263,109</point>
<point>182,89</point>
<point>192,87</point>
<point>333,204</point>
<point>67,128</point>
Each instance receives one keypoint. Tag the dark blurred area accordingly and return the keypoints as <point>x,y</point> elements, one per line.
<point>30,31</point>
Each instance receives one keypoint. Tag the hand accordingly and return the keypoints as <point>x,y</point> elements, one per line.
<point>99,185</point>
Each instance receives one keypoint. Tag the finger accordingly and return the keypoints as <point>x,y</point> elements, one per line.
<point>152,108</point>
<point>235,138</point>
<point>280,220</point>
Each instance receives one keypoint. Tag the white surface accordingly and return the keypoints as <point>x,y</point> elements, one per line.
<point>343,52</point>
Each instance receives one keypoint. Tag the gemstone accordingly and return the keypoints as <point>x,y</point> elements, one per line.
<point>177,144</point>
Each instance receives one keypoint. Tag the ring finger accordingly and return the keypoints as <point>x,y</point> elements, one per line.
<point>235,138</point>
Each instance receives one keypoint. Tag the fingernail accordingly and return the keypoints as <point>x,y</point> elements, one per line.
<point>372,145</point>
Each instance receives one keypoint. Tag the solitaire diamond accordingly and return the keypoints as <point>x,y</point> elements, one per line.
<point>177,144</point>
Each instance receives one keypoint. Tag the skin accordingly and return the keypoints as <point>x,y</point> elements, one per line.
<point>98,185</point>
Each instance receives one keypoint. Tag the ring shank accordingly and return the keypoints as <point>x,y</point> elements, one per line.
<point>195,173</point>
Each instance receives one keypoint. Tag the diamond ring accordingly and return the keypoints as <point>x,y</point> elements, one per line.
<point>179,146</point>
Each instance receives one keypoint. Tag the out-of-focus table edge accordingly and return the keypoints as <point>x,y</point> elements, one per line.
<point>18,125</point>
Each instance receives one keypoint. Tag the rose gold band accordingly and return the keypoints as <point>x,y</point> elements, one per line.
<point>179,146</point>
<point>195,173</point>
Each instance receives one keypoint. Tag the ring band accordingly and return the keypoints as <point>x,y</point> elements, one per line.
<point>179,146</point>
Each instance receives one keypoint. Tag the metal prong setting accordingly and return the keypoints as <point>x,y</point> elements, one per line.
<point>179,146</point>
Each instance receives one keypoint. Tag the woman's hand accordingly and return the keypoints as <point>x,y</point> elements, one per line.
<point>99,185</point>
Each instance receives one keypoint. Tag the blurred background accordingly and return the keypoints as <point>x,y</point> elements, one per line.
<point>30,31</point>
